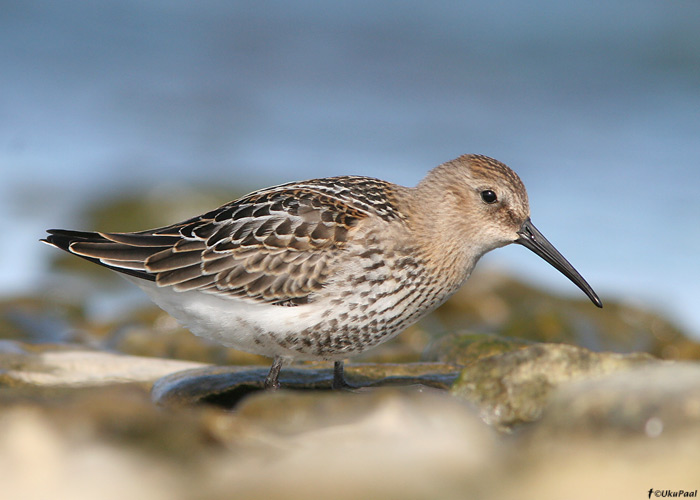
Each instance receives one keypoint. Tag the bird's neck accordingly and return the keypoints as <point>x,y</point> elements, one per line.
<point>441,235</point>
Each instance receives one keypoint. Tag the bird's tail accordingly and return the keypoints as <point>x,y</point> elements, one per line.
<point>122,252</point>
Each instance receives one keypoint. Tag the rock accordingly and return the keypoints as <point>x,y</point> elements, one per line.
<point>611,426</point>
<point>581,470</point>
<point>39,461</point>
<point>226,385</point>
<point>513,387</point>
<point>408,442</point>
<point>648,401</point>
<point>627,434</point>
<point>386,443</point>
<point>63,366</point>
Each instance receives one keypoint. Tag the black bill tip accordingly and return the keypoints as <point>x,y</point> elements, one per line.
<point>531,238</point>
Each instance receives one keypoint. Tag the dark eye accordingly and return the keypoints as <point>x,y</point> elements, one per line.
<point>489,196</point>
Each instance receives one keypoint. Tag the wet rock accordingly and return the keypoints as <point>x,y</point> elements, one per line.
<point>226,385</point>
<point>47,365</point>
<point>513,387</point>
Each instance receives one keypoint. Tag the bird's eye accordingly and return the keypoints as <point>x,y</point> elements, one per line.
<point>489,196</point>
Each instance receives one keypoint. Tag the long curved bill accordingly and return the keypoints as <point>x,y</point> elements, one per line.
<point>531,238</point>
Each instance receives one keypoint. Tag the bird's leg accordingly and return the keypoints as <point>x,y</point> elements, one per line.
<point>339,382</point>
<point>272,381</point>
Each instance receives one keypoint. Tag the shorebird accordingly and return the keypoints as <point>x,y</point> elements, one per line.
<point>326,268</point>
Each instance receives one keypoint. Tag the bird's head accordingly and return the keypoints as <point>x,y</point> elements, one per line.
<point>485,205</point>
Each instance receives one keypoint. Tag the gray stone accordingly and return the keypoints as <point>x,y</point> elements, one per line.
<point>513,387</point>
<point>384,443</point>
<point>647,402</point>
<point>61,366</point>
<point>630,434</point>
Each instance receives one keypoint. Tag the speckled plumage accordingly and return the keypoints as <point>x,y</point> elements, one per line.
<point>320,269</point>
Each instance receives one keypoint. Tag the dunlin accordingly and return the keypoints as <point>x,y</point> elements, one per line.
<point>327,268</point>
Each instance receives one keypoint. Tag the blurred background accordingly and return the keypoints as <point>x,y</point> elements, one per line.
<point>595,104</point>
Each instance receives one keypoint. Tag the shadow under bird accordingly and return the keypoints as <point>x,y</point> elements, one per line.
<point>326,268</point>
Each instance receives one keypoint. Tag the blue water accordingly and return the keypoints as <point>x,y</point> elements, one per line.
<point>595,104</point>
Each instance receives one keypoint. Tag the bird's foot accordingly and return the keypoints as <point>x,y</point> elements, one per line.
<point>272,381</point>
<point>339,383</point>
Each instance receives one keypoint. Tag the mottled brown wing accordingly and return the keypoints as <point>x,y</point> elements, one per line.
<point>270,246</point>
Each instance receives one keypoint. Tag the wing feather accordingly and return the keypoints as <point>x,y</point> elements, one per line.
<point>272,245</point>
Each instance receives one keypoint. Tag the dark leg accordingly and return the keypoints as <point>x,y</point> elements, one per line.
<point>272,381</point>
<point>339,382</point>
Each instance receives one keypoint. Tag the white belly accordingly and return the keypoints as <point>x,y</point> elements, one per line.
<point>233,322</point>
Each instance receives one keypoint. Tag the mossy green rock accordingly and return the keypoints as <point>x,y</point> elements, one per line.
<point>463,348</point>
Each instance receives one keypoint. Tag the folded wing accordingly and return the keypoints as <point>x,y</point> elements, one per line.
<point>270,246</point>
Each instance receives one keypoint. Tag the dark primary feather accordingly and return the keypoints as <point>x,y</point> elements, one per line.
<point>272,245</point>
<point>71,241</point>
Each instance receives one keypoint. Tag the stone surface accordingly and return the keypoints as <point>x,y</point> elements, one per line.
<point>615,436</point>
<point>388,443</point>
<point>647,401</point>
<point>600,425</point>
<point>513,387</point>
<point>39,461</point>
<point>24,364</point>
<point>576,470</point>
